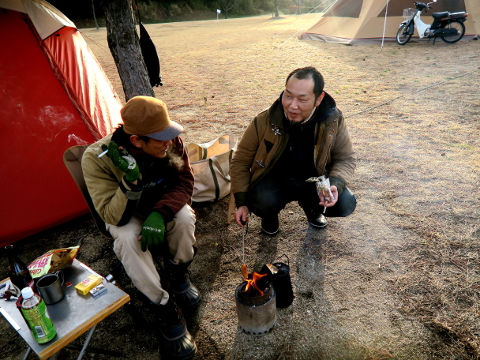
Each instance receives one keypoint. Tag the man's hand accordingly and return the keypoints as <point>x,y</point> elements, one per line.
<point>241,215</point>
<point>333,201</point>
<point>153,231</point>
<point>123,160</point>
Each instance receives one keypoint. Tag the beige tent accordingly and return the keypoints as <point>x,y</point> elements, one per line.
<point>360,21</point>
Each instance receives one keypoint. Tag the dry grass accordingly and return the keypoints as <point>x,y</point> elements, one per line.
<point>399,279</point>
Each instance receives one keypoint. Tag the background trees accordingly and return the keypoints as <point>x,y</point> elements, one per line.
<point>82,11</point>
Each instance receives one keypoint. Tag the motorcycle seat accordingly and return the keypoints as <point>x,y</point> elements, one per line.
<point>458,14</point>
<point>437,15</point>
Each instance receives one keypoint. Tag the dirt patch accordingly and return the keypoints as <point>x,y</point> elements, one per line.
<point>399,278</point>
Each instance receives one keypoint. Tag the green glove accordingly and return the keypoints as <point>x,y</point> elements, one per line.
<point>123,160</point>
<point>153,231</point>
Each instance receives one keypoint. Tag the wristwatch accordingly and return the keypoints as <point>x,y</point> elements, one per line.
<point>129,194</point>
<point>133,195</point>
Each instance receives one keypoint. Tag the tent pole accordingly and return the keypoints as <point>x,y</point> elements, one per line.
<point>384,23</point>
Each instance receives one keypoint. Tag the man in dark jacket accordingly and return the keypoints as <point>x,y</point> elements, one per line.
<point>302,135</point>
<point>141,183</point>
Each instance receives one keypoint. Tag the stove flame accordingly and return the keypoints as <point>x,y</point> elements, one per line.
<point>252,288</point>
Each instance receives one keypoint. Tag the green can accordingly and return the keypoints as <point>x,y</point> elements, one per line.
<point>35,313</point>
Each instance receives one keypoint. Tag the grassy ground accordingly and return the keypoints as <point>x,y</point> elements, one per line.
<point>399,278</point>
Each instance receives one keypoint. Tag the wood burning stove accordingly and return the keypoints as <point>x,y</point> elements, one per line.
<point>257,313</point>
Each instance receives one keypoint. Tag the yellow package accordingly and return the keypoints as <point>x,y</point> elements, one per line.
<point>88,284</point>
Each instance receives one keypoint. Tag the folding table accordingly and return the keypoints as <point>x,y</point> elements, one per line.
<point>72,316</point>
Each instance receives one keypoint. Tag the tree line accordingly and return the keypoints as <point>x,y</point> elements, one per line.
<point>87,11</point>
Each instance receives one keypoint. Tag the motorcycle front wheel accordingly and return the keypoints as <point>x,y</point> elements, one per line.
<point>403,34</point>
<point>457,25</point>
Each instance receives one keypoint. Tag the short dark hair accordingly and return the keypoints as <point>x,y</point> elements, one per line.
<point>123,139</point>
<point>309,72</point>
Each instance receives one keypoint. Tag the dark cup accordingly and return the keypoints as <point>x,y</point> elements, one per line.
<point>50,287</point>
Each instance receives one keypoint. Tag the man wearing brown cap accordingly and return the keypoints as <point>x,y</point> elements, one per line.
<point>142,189</point>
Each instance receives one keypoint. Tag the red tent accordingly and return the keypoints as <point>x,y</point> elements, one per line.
<point>54,95</point>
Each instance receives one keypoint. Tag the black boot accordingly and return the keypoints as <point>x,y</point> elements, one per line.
<point>185,293</point>
<point>315,215</point>
<point>178,344</point>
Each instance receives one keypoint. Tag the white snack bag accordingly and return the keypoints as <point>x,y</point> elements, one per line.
<point>323,186</point>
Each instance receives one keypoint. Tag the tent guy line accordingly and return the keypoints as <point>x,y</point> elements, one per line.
<point>106,50</point>
<point>314,19</point>
<point>413,93</point>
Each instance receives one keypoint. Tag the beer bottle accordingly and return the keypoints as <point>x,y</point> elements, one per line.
<point>17,270</point>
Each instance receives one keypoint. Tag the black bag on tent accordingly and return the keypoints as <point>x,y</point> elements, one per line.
<point>149,53</point>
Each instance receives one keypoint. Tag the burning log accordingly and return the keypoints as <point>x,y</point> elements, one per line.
<point>255,286</point>
<point>256,282</point>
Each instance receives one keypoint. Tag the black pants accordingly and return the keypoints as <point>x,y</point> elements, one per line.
<point>273,193</point>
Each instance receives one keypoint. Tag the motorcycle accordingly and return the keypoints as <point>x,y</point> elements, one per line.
<point>449,26</point>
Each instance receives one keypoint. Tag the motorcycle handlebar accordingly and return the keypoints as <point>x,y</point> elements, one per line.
<point>427,5</point>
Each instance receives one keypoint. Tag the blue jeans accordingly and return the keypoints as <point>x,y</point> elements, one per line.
<point>273,193</point>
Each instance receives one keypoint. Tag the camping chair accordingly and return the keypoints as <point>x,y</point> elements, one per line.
<point>73,161</point>
<point>72,158</point>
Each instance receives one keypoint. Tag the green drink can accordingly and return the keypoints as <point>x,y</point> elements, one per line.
<point>35,313</point>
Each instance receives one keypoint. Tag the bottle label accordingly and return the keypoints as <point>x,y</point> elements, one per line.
<point>39,322</point>
<point>39,331</point>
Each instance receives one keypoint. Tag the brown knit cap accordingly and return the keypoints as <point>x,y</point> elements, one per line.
<point>148,116</point>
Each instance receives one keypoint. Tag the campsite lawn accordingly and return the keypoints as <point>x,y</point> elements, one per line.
<point>398,279</point>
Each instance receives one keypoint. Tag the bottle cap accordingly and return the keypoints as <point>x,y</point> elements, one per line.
<point>27,292</point>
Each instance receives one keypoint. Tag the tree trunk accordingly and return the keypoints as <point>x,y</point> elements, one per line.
<point>124,45</point>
